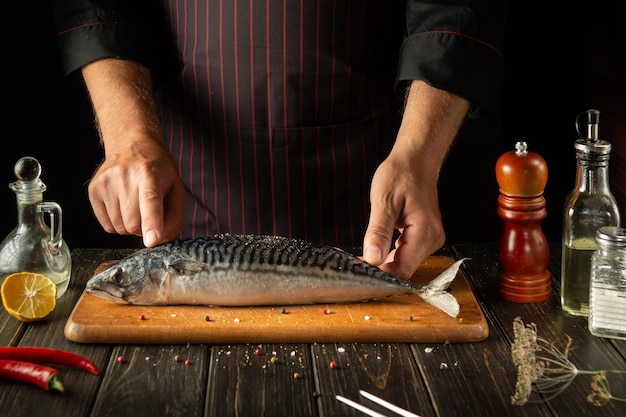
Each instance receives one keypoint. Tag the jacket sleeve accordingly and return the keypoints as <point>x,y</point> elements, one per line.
<point>89,30</point>
<point>455,45</point>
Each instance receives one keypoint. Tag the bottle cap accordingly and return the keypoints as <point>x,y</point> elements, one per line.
<point>28,187</point>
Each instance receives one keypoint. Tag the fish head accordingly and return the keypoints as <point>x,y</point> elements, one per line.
<point>138,279</point>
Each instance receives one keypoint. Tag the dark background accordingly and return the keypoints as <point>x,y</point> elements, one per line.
<point>557,67</point>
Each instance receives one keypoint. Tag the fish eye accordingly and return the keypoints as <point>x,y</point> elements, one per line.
<point>118,277</point>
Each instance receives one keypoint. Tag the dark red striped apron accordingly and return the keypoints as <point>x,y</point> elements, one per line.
<point>281,112</point>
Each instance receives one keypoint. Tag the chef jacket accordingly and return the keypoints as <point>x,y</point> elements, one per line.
<point>277,113</point>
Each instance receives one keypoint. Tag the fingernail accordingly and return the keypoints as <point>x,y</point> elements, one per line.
<point>373,254</point>
<point>150,238</point>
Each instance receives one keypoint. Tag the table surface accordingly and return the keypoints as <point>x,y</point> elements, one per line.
<point>286,379</point>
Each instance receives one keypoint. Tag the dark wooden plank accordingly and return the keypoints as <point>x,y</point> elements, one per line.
<point>154,381</point>
<point>11,329</point>
<point>80,387</point>
<point>470,379</point>
<point>587,352</point>
<point>386,370</point>
<point>275,381</point>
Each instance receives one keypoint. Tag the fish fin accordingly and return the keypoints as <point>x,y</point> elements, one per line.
<point>435,292</point>
<point>187,267</point>
<point>443,280</point>
<point>445,302</point>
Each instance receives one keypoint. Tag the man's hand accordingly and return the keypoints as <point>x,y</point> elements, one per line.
<point>403,199</point>
<point>139,192</point>
<point>404,193</point>
<point>137,189</point>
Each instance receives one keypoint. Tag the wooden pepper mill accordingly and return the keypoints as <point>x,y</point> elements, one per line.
<point>523,253</point>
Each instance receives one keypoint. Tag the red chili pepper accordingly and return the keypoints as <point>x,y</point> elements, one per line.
<point>40,375</point>
<point>48,355</point>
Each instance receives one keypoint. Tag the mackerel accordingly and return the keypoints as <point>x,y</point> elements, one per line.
<point>250,270</point>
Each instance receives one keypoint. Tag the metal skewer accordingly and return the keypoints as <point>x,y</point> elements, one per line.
<point>379,401</point>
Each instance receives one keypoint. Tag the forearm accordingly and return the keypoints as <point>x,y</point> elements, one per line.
<point>430,122</point>
<point>122,99</point>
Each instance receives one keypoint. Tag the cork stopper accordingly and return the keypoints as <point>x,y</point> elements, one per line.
<point>521,172</point>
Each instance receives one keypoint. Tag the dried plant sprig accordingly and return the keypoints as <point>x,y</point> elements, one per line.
<point>545,369</point>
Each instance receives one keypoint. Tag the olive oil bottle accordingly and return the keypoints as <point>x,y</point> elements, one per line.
<point>589,206</point>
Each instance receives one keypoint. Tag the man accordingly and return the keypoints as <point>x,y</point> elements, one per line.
<point>278,116</point>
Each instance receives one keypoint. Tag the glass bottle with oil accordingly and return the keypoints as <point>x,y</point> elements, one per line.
<point>33,245</point>
<point>589,206</point>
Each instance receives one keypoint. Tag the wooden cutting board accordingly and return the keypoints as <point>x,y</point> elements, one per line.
<point>398,319</point>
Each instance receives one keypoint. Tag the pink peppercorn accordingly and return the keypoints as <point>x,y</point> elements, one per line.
<point>333,365</point>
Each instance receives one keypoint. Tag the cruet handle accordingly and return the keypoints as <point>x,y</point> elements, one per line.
<point>54,210</point>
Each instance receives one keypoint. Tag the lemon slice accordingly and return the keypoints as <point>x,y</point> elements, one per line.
<point>28,296</point>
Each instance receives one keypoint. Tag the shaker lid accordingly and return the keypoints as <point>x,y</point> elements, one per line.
<point>611,236</point>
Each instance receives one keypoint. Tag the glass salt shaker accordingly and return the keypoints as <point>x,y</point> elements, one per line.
<point>607,294</point>
<point>33,246</point>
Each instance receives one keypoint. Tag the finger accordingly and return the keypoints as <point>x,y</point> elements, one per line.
<point>101,213</point>
<point>107,210</point>
<point>409,253</point>
<point>151,210</point>
<point>378,235</point>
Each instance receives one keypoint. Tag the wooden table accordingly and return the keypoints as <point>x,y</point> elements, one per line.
<point>430,379</point>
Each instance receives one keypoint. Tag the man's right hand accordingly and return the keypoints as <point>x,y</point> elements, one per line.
<point>137,189</point>
<point>139,192</point>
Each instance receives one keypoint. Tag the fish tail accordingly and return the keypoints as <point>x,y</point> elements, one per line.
<point>436,294</point>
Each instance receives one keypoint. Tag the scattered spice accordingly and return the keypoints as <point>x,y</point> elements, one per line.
<point>283,311</point>
<point>187,362</point>
<point>44,377</point>
<point>410,318</point>
<point>367,317</point>
<point>121,359</point>
<point>142,317</point>
<point>206,318</point>
<point>333,365</point>
<point>236,320</point>
<point>48,355</point>
<point>296,375</point>
<point>327,311</point>
<point>258,352</point>
<point>176,358</point>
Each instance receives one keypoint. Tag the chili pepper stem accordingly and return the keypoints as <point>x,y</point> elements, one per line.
<point>55,383</point>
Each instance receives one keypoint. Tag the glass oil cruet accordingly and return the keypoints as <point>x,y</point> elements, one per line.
<point>588,207</point>
<point>33,246</point>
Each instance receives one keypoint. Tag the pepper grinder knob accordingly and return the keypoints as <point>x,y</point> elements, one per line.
<point>523,253</point>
